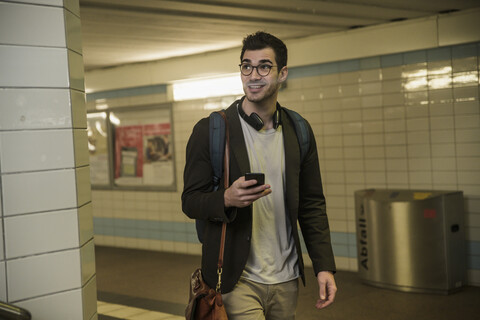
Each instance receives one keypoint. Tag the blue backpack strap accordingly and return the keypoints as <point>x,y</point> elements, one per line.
<point>301,129</point>
<point>217,146</point>
<point>217,152</point>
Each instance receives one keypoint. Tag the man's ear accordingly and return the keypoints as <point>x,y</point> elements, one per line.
<point>282,76</point>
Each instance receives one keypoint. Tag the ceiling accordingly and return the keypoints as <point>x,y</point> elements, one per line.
<point>116,32</point>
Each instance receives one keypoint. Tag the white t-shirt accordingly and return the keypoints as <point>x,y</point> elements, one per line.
<point>273,257</point>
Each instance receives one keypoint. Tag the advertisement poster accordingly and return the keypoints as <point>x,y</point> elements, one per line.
<point>143,155</point>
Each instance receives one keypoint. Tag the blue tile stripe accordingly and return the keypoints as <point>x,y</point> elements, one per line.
<point>343,243</point>
<point>383,61</point>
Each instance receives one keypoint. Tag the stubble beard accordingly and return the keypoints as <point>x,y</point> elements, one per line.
<point>262,97</point>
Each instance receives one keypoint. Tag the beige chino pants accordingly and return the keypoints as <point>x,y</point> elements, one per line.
<point>256,301</point>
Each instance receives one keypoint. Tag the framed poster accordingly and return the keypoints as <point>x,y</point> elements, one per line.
<point>141,144</point>
<point>143,148</point>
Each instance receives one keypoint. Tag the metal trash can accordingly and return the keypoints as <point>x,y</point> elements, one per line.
<point>411,240</point>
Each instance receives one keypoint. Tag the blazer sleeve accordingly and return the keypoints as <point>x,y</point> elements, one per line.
<point>199,201</point>
<point>312,212</point>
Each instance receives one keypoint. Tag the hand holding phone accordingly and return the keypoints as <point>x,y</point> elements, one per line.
<point>260,177</point>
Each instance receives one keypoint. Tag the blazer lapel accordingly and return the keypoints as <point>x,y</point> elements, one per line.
<point>292,165</point>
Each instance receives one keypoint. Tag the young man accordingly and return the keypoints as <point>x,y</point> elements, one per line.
<point>263,257</point>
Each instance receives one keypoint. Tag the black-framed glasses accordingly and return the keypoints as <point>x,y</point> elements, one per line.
<point>263,69</point>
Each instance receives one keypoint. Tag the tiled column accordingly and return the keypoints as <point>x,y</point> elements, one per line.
<point>47,262</point>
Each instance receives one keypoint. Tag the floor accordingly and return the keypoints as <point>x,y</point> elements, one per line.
<point>146,285</point>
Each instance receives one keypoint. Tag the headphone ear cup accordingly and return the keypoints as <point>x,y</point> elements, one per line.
<point>255,121</point>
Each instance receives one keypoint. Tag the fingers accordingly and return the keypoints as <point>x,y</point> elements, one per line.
<point>327,289</point>
<point>241,193</point>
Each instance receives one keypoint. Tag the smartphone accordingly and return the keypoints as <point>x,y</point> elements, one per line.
<point>260,177</point>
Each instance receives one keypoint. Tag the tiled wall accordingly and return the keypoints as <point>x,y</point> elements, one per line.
<point>409,120</point>
<point>47,262</point>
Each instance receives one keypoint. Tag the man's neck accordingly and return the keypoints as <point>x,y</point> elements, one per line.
<point>264,109</point>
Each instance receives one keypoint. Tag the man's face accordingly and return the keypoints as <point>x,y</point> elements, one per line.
<point>259,88</point>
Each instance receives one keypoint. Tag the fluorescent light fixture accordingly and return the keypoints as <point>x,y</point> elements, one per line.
<point>228,85</point>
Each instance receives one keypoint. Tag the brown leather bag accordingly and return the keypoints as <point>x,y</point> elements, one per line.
<point>205,303</point>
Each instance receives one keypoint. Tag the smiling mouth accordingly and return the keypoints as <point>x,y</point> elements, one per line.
<point>256,86</point>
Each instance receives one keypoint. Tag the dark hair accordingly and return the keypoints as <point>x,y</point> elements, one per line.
<point>261,40</point>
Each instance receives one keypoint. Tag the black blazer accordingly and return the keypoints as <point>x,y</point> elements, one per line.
<point>304,197</point>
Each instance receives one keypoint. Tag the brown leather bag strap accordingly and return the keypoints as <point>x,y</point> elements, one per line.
<point>226,175</point>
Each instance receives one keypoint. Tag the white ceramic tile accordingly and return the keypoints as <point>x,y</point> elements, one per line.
<point>420,177</point>
<point>373,127</point>
<point>47,232</point>
<point>79,113</point>
<point>443,150</point>
<point>372,114</point>
<point>444,177</point>
<point>87,259</point>
<point>32,25</point>
<point>56,3</point>
<point>442,136</point>
<point>468,149</point>
<point>349,77</point>
<point>392,86</point>
<point>350,90</point>
<point>373,139</point>
<point>375,179</point>
<point>468,163</point>
<point>370,75</point>
<point>43,274</point>
<point>89,299</point>
<point>73,32</point>
<point>467,121</point>
<point>417,111</point>
<point>419,164</point>
<point>397,165</point>
<point>392,73</point>
<point>58,306</point>
<point>469,177</point>
<point>85,223</point>
<point>36,150</point>
<point>469,106</point>
<point>397,112</point>
<point>2,254</point>
<point>374,152</point>
<point>80,140</point>
<point>83,185</point>
<point>28,67</point>
<point>3,282</point>
<point>371,88</point>
<point>420,124</point>
<point>34,109</point>
<point>441,109</point>
<point>75,70</point>
<point>398,125</point>
<point>445,164</point>
<point>397,177</point>
<point>418,137</point>
<point>419,151</point>
<point>38,191</point>
<point>352,140</point>
<point>375,165</point>
<point>354,165</point>
<point>372,101</point>
<point>395,138</point>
